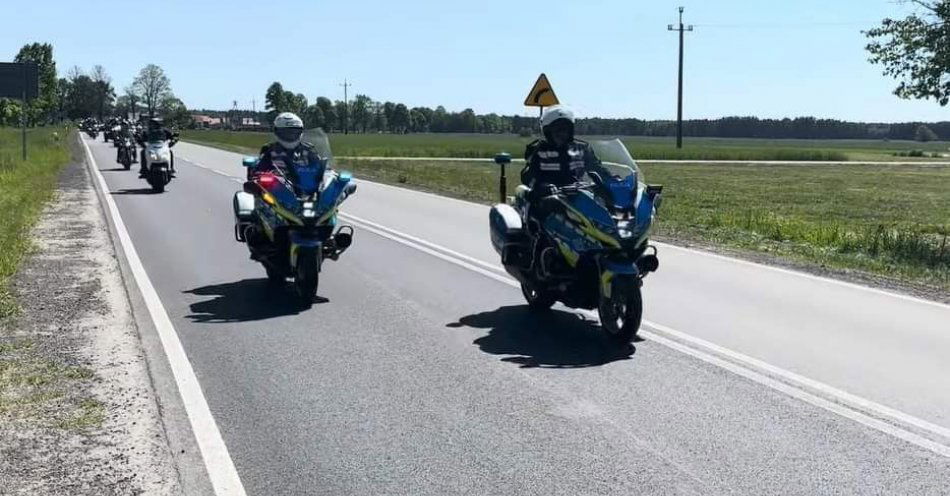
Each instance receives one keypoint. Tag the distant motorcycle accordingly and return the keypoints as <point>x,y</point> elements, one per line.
<point>126,152</point>
<point>592,250</point>
<point>289,227</point>
<point>159,162</point>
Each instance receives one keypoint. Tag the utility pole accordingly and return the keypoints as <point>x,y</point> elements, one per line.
<point>346,107</point>
<point>679,99</point>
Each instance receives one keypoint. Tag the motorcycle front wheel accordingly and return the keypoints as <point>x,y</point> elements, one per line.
<point>538,300</point>
<point>620,315</point>
<point>306,279</point>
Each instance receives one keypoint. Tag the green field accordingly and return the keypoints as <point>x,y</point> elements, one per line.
<point>885,219</point>
<point>643,148</point>
<point>24,189</point>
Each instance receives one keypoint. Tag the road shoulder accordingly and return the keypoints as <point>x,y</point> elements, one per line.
<point>80,415</point>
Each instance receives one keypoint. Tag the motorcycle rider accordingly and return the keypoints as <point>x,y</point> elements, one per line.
<point>556,159</point>
<point>154,132</point>
<point>125,131</point>
<point>287,151</point>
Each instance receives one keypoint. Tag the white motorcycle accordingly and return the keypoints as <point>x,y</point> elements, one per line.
<point>159,163</point>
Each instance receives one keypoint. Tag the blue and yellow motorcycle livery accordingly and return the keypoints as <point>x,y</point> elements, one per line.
<point>291,227</point>
<point>591,250</point>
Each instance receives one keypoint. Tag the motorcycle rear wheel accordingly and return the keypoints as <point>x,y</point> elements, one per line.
<point>274,276</point>
<point>538,300</point>
<point>620,315</point>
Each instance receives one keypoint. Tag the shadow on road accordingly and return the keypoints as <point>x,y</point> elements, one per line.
<point>135,191</point>
<point>244,301</point>
<point>554,339</point>
<point>116,169</point>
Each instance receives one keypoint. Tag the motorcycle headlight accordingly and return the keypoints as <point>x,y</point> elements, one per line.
<point>624,229</point>
<point>309,213</point>
<point>153,157</point>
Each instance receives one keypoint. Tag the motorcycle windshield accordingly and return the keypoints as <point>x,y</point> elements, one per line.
<point>308,178</point>
<point>624,174</point>
<point>321,143</point>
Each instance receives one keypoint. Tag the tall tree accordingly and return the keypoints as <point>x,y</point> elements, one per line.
<point>330,117</point>
<point>133,97</point>
<point>153,86</point>
<point>360,112</point>
<point>105,93</point>
<point>174,112</point>
<point>341,109</point>
<point>313,117</point>
<point>44,106</point>
<point>274,100</point>
<point>399,122</point>
<point>916,51</point>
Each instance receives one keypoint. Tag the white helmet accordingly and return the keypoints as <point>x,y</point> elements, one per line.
<point>554,113</point>
<point>288,128</point>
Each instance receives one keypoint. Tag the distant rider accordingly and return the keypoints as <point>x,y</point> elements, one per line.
<point>154,132</point>
<point>288,150</point>
<point>557,158</point>
<point>125,131</point>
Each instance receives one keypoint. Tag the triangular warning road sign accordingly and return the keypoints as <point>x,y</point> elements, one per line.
<point>542,94</point>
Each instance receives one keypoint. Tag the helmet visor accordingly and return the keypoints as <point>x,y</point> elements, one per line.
<point>288,134</point>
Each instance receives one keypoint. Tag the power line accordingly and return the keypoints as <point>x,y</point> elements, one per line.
<point>346,106</point>
<point>679,100</point>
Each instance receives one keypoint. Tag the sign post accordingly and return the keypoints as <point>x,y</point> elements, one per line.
<point>20,80</point>
<point>541,95</point>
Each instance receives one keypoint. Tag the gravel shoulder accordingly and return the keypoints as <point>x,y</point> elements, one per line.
<point>78,413</point>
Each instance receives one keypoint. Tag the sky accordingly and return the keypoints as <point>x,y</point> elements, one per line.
<point>609,58</point>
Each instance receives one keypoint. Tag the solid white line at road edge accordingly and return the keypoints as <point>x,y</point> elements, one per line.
<point>220,467</point>
<point>835,400</point>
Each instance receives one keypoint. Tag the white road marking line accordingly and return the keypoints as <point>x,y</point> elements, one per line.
<point>498,273</point>
<point>471,260</point>
<point>840,402</point>
<point>221,470</point>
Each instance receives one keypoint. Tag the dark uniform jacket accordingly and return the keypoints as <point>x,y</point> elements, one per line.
<point>546,163</point>
<point>274,155</point>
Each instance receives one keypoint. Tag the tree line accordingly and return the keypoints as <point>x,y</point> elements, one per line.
<point>362,114</point>
<point>80,94</point>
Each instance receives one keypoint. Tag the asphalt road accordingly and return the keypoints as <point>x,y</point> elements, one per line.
<point>423,373</point>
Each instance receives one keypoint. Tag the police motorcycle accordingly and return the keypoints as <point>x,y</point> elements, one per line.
<point>291,227</point>
<point>593,250</point>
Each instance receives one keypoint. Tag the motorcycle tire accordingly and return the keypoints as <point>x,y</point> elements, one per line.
<point>306,280</point>
<point>538,300</point>
<point>158,186</point>
<point>274,276</point>
<point>620,315</point>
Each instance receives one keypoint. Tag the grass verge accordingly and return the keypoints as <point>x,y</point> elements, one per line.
<point>643,147</point>
<point>35,390</point>
<point>25,187</point>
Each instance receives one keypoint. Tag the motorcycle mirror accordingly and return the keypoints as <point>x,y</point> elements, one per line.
<point>503,158</point>
<point>249,162</point>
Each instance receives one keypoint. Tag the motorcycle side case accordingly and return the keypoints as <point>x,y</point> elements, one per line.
<point>243,214</point>
<point>506,227</point>
<point>243,206</point>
